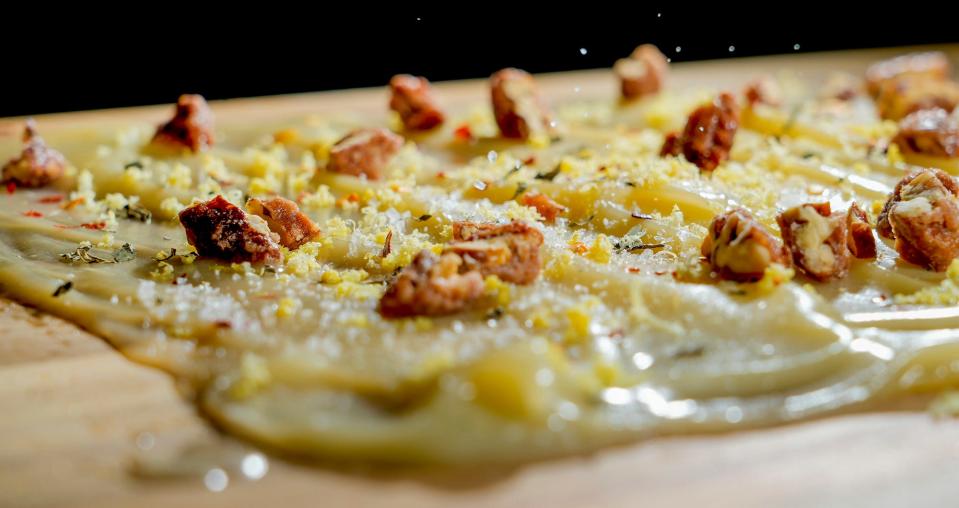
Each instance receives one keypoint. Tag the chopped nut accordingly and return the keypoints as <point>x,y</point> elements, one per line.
<point>218,229</point>
<point>923,218</point>
<point>364,152</point>
<point>191,125</point>
<point>739,248</point>
<point>509,251</point>
<point>708,136</point>
<point>545,206</point>
<point>412,98</point>
<point>517,105</point>
<point>285,219</point>
<point>929,132</point>
<point>902,96</point>
<point>861,242</point>
<point>883,225</point>
<point>933,65</point>
<point>763,90</point>
<point>432,286</point>
<point>642,73</point>
<point>37,165</point>
<point>817,239</point>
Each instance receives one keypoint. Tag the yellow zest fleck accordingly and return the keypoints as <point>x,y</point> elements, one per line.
<point>288,307</point>
<point>254,376</point>
<point>499,290</point>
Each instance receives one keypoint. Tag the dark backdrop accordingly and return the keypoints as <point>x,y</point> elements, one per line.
<point>94,59</point>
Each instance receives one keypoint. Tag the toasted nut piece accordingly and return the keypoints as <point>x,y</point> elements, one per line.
<point>642,73</point>
<point>925,221</point>
<point>545,206</point>
<point>519,110</point>
<point>933,65</point>
<point>861,242</point>
<point>285,219</point>
<point>899,97</point>
<point>883,225</point>
<point>38,164</point>
<point>763,90</point>
<point>708,136</point>
<point>739,248</point>
<point>432,286</point>
<point>412,97</point>
<point>842,87</point>
<point>929,132</point>
<point>221,230</point>
<point>509,251</point>
<point>364,152</point>
<point>817,238</point>
<point>191,125</point>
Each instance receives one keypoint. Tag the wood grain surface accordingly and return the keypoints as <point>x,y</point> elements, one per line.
<point>74,413</point>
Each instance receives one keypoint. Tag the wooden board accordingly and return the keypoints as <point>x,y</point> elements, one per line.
<point>73,410</point>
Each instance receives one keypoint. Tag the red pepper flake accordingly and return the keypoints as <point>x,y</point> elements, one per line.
<point>634,269</point>
<point>660,272</point>
<point>529,161</point>
<point>463,133</point>
<point>33,213</point>
<point>55,198</point>
<point>441,175</point>
<point>11,187</point>
<point>579,248</point>
<point>96,226</point>
<point>69,205</point>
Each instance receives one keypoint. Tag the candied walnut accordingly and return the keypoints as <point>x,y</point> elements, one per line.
<point>412,97</point>
<point>708,136</point>
<point>929,132</point>
<point>841,87</point>
<point>191,125</point>
<point>284,218</point>
<point>545,206</point>
<point>509,251</point>
<point>364,152</point>
<point>432,286</point>
<point>221,230</point>
<point>933,65</point>
<point>38,164</point>
<point>925,220</point>
<point>900,97</point>
<point>883,225</point>
<point>643,73</point>
<point>763,90</point>
<point>860,240</point>
<point>739,248</point>
<point>817,240</point>
<point>519,110</point>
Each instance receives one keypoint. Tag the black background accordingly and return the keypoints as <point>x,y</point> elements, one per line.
<point>94,59</point>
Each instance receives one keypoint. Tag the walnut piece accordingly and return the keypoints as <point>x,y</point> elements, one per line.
<point>432,285</point>
<point>519,110</point>
<point>412,97</point>
<point>708,136</point>
<point>739,248</point>
<point>817,239</point>
<point>883,226</point>
<point>37,165</point>
<point>284,218</point>
<point>932,65</point>
<point>860,240</point>
<point>221,230</point>
<point>929,132</point>
<point>923,218</point>
<point>642,73</point>
<point>364,152</point>
<point>509,251</point>
<point>191,125</point>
